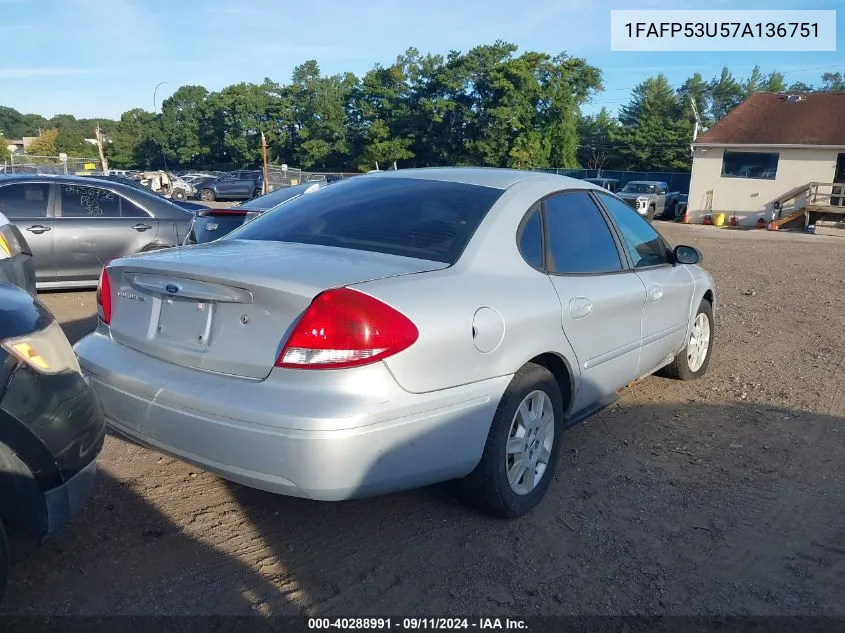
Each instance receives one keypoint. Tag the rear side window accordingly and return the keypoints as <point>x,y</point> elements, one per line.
<point>411,217</point>
<point>24,200</point>
<point>531,240</point>
<point>81,201</point>
<point>580,241</point>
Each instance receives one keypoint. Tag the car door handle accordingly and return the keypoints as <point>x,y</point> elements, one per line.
<point>655,294</point>
<point>579,307</point>
<point>142,227</point>
<point>38,229</point>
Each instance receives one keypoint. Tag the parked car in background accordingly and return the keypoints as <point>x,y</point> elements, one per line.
<point>678,209</point>
<point>405,327</point>
<point>74,224</point>
<point>236,185</point>
<point>51,424</point>
<point>167,184</point>
<point>649,198</point>
<point>212,224</point>
<point>194,178</point>
<point>611,184</point>
<point>131,182</point>
<point>16,265</point>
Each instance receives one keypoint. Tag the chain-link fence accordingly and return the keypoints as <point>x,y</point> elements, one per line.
<point>288,176</point>
<point>677,181</point>
<point>26,164</point>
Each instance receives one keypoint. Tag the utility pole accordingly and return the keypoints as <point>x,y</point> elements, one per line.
<point>697,124</point>
<point>264,160</point>
<point>103,162</point>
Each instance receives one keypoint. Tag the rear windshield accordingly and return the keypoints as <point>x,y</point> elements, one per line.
<point>425,219</point>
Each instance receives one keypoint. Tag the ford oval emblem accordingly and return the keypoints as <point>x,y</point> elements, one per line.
<point>172,288</point>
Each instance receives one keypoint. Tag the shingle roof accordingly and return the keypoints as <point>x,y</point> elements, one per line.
<point>815,118</point>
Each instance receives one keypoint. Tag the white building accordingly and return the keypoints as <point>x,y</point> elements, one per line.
<point>766,153</point>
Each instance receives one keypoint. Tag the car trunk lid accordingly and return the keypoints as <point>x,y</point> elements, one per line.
<point>228,306</point>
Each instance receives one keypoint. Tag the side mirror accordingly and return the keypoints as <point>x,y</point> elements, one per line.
<point>687,255</point>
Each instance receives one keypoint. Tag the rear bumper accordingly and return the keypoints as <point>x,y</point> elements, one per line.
<point>320,435</point>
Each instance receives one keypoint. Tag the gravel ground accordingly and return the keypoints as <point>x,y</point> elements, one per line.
<point>721,496</point>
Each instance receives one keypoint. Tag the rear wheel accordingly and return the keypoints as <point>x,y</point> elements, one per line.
<point>207,195</point>
<point>256,193</point>
<point>522,448</point>
<point>4,560</point>
<point>692,362</point>
<point>179,194</point>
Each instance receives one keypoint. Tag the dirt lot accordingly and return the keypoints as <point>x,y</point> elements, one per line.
<point>720,496</point>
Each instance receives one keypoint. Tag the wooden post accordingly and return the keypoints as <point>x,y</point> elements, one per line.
<point>104,164</point>
<point>264,160</point>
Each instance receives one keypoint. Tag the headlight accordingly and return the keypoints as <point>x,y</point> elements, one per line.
<point>10,244</point>
<point>47,351</point>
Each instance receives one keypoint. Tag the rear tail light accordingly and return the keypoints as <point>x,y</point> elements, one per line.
<point>346,328</point>
<point>104,296</point>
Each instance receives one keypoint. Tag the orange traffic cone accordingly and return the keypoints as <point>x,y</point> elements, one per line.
<point>772,226</point>
<point>686,218</point>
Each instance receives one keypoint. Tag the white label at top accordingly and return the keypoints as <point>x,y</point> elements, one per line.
<point>681,30</point>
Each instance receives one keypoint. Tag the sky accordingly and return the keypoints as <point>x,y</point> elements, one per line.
<point>99,58</point>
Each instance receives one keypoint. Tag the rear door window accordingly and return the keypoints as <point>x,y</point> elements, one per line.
<point>24,200</point>
<point>81,201</point>
<point>411,217</point>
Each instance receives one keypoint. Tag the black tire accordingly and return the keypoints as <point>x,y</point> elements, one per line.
<point>179,194</point>
<point>487,486</point>
<point>679,368</point>
<point>256,193</point>
<point>207,195</point>
<point>4,560</point>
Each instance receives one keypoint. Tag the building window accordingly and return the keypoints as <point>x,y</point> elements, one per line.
<point>750,165</point>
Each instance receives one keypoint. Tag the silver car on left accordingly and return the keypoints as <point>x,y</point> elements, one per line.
<point>74,224</point>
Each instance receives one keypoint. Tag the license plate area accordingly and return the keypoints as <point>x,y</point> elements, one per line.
<point>185,323</point>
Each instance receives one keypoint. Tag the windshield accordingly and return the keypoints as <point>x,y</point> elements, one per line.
<point>411,217</point>
<point>639,187</point>
<point>270,200</point>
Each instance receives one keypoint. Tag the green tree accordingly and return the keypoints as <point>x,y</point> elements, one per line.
<point>136,141</point>
<point>231,125</point>
<point>754,82</point>
<point>5,154</point>
<point>774,82</point>
<point>181,120</point>
<point>656,131</point>
<point>800,86</point>
<point>597,133</point>
<point>45,144</point>
<point>696,90</point>
<point>725,93</point>
<point>833,82</point>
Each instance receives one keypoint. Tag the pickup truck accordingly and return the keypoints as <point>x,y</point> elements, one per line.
<point>649,198</point>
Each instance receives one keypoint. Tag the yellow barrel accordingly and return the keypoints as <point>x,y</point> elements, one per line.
<point>719,219</point>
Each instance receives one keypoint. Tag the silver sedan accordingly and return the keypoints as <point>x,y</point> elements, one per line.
<point>396,330</point>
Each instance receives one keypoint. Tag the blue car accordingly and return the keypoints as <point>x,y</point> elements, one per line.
<point>236,185</point>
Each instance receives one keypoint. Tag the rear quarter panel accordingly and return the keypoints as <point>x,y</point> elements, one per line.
<point>518,303</point>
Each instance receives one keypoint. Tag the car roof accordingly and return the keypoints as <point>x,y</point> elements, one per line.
<point>646,182</point>
<point>494,177</point>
